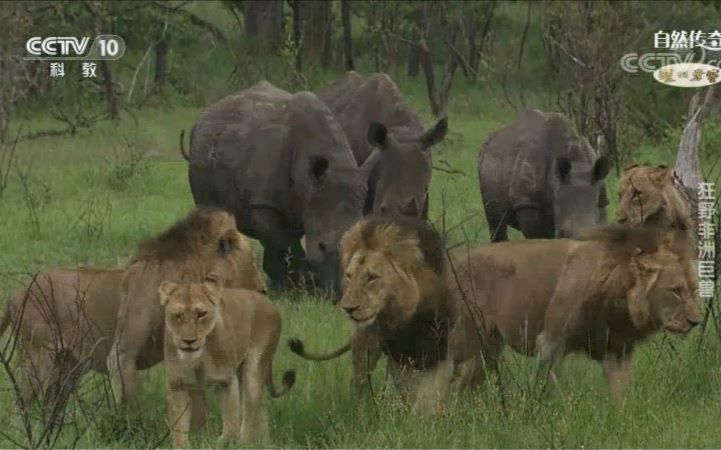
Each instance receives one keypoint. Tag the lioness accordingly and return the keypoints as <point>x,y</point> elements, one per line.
<point>601,296</point>
<point>396,295</point>
<point>203,242</point>
<point>647,195</point>
<point>222,337</point>
<point>65,318</point>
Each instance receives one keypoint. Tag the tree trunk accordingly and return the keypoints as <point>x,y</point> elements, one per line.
<point>297,35</point>
<point>327,58</point>
<point>261,22</point>
<point>315,17</point>
<point>160,62</point>
<point>688,162</point>
<point>347,37</point>
<point>111,98</point>
<point>414,61</point>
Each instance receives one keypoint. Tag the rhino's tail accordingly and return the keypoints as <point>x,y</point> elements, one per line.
<point>297,347</point>
<point>182,147</point>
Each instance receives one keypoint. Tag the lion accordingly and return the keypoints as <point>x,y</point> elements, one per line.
<point>395,293</point>
<point>226,338</point>
<point>616,290</point>
<point>601,295</point>
<point>648,196</point>
<point>66,317</point>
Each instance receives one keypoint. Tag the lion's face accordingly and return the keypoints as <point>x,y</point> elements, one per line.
<point>384,272</point>
<point>190,314</point>
<point>641,198</point>
<point>673,300</point>
<point>670,283</point>
<point>375,284</point>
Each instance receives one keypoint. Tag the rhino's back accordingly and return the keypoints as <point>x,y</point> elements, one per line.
<point>514,163</point>
<point>237,149</point>
<point>512,282</point>
<point>259,107</point>
<point>356,102</point>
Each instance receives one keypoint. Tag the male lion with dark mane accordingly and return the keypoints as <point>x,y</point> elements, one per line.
<point>647,195</point>
<point>395,293</point>
<point>65,318</point>
<point>225,338</point>
<point>205,241</point>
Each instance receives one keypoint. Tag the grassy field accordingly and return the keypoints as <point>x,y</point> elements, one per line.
<point>90,198</point>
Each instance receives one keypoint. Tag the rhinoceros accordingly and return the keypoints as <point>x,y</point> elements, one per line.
<point>539,176</point>
<point>373,114</point>
<point>283,166</point>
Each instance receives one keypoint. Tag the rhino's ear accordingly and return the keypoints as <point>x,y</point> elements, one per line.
<point>318,168</point>
<point>563,169</point>
<point>435,134</point>
<point>377,134</point>
<point>600,169</point>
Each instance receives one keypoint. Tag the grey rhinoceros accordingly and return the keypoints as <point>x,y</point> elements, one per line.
<point>538,176</point>
<point>283,166</point>
<point>374,114</point>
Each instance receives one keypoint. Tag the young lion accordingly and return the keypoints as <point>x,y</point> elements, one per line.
<point>648,196</point>
<point>227,338</point>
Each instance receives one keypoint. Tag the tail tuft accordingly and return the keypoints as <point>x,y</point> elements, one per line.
<point>296,346</point>
<point>289,379</point>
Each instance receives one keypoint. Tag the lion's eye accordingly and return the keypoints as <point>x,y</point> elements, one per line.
<point>178,317</point>
<point>677,291</point>
<point>347,275</point>
<point>202,314</point>
<point>372,277</point>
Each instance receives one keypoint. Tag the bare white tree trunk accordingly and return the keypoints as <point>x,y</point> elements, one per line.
<point>688,163</point>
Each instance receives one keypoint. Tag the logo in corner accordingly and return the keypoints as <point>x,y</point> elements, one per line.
<point>688,75</point>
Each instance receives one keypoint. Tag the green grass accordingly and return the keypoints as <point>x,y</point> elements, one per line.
<point>93,207</point>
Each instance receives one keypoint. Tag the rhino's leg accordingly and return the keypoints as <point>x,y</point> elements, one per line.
<point>297,263</point>
<point>269,228</point>
<point>533,224</point>
<point>497,222</point>
<point>274,265</point>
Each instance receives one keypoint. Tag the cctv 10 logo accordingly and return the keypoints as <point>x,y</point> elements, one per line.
<point>104,46</point>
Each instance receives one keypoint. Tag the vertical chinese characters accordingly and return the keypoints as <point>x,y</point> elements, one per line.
<point>706,235</point>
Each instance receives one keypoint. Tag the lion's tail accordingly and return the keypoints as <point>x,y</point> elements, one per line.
<point>297,347</point>
<point>288,382</point>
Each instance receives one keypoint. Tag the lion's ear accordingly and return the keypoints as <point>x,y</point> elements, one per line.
<point>662,175</point>
<point>639,305</point>
<point>213,287</point>
<point>630,166</point>
<point>165,290</point>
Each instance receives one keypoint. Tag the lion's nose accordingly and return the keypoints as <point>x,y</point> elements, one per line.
<point>350,309</point>
<point>694,321</point>
<point>190,341</point>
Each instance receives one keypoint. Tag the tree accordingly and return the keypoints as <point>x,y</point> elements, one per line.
<point>688,162</point>
<point>99,27</point>
<point>264,22</point>
<point>347,35</point>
